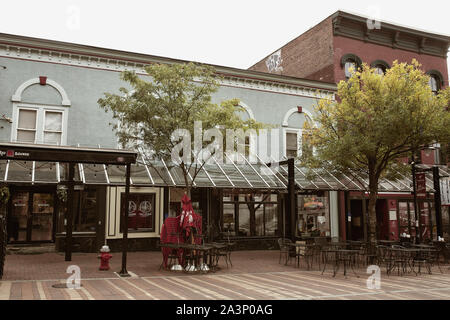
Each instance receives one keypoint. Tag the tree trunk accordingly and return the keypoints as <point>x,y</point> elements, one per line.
<point>373,195</point>
<point>372,216</point>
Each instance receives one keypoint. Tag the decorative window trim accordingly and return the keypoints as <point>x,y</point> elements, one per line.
<point>17,96</point>
<point>438,75</point>
<point>290,112</point>
<point>248,109</point>
<point>380,63</point>
<point>40,119</point>
<point>351,57</point>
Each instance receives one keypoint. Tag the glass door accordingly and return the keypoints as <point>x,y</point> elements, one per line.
<point>19,218</point>
<point>31,217</point>
<point>42,217</point>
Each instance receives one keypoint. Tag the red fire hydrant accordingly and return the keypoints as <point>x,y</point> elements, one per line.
<point>104,257</point>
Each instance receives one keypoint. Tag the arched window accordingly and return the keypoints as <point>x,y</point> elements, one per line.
<point>380,66</point>
<point>40,112</point>
<point>436,80</point>
<point>350,62</point>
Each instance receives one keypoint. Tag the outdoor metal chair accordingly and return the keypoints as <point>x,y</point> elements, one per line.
<point>225,252</point>
<point>370,253</point>
<point>433,259</point>
<point>384,256</point>
<point>285,249</point>
<point>399,259</point>
<point>306,252</point>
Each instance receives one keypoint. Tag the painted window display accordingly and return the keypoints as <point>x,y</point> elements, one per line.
<point>313,216</point>
<point>141,211</point>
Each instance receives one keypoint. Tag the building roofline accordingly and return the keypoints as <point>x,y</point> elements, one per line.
<point>392,25</point>
<point>362,18</point>
<point>141,58</point>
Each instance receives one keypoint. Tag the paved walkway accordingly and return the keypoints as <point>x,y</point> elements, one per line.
<point>255,275</point>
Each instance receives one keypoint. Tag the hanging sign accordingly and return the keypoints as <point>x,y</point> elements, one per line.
<point>421,186</point>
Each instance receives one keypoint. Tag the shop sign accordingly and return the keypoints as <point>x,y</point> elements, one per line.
<point>421,186</point>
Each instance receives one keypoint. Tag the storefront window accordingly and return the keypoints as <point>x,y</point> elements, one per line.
<point>313,216</point>
<point>141,211</point>
<point>407,220</point>
<point>85,220</point>
<point>250,214</point>
<point>403,217</point>
<point>85,210</point>
<point>446,222</point>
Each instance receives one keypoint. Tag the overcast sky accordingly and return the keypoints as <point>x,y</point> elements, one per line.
<point>235,33</point>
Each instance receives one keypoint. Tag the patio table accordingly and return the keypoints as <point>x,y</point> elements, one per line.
<point>346,256</point>
<point>306,253</point>
<point>406,258</point>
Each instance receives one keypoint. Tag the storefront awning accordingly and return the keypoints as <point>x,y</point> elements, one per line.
<point>323,180</point>
<point>239,173</point>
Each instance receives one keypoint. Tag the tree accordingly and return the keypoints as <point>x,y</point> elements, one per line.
<point>376,120</point>
<point>156,113</point>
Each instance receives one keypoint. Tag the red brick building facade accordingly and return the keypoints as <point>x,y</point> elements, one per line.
<point>324,53</point>
<point>320,53</point>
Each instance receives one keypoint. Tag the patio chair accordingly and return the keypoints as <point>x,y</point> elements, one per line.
<point>399,259</point>
<point>320,244</point>
<point>306,252</point>
<point>285,247</point>
<point>384,257</point>
<point>225,252</point>
<point>433,259</point>
<point>370,253</point>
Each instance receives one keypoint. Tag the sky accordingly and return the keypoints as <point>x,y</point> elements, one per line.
<point>233,33</point>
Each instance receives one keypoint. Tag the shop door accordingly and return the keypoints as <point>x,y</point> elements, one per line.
<point>31,217</point>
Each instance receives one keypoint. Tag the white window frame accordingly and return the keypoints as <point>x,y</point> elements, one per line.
<point>299,133</point>
<point>40,121</point>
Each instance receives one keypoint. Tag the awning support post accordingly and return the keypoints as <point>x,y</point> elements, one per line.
<point>291,194</point>
<point>69,214</point>
<point>437,201</point>
<point>124,272</point>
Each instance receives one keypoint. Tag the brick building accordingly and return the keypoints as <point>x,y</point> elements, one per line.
<point>325,53</point>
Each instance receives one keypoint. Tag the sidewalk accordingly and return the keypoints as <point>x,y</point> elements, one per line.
<point>255,275</point>
<point>51,266</point>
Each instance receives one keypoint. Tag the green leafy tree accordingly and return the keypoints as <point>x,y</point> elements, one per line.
<point>376,120</point>
<point>174,97</point>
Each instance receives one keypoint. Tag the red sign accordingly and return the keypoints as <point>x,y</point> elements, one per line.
<point>421,186</point>
<point>10,153</point>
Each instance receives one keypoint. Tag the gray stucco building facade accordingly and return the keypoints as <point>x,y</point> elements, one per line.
<point>48,95</point>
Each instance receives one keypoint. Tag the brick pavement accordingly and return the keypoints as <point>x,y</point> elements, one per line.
<point>255,275</point>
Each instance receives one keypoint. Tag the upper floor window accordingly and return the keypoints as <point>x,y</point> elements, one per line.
<point>292,144</point>
<point>434,84</point>
<point>380,66</point>
<point>39,124</point>
<point>350,67</point>
<point>40,112</point>
<point>436,80</point>
<point>351,63</point>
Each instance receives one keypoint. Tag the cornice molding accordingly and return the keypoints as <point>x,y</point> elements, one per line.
<point>246,79</point>
<point>399,37</point>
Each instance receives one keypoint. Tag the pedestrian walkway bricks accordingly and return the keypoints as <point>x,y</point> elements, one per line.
<point>289,285</point>
<point>255,275</point>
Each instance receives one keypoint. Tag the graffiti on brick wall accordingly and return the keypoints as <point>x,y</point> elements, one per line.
<point>274,62</point>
